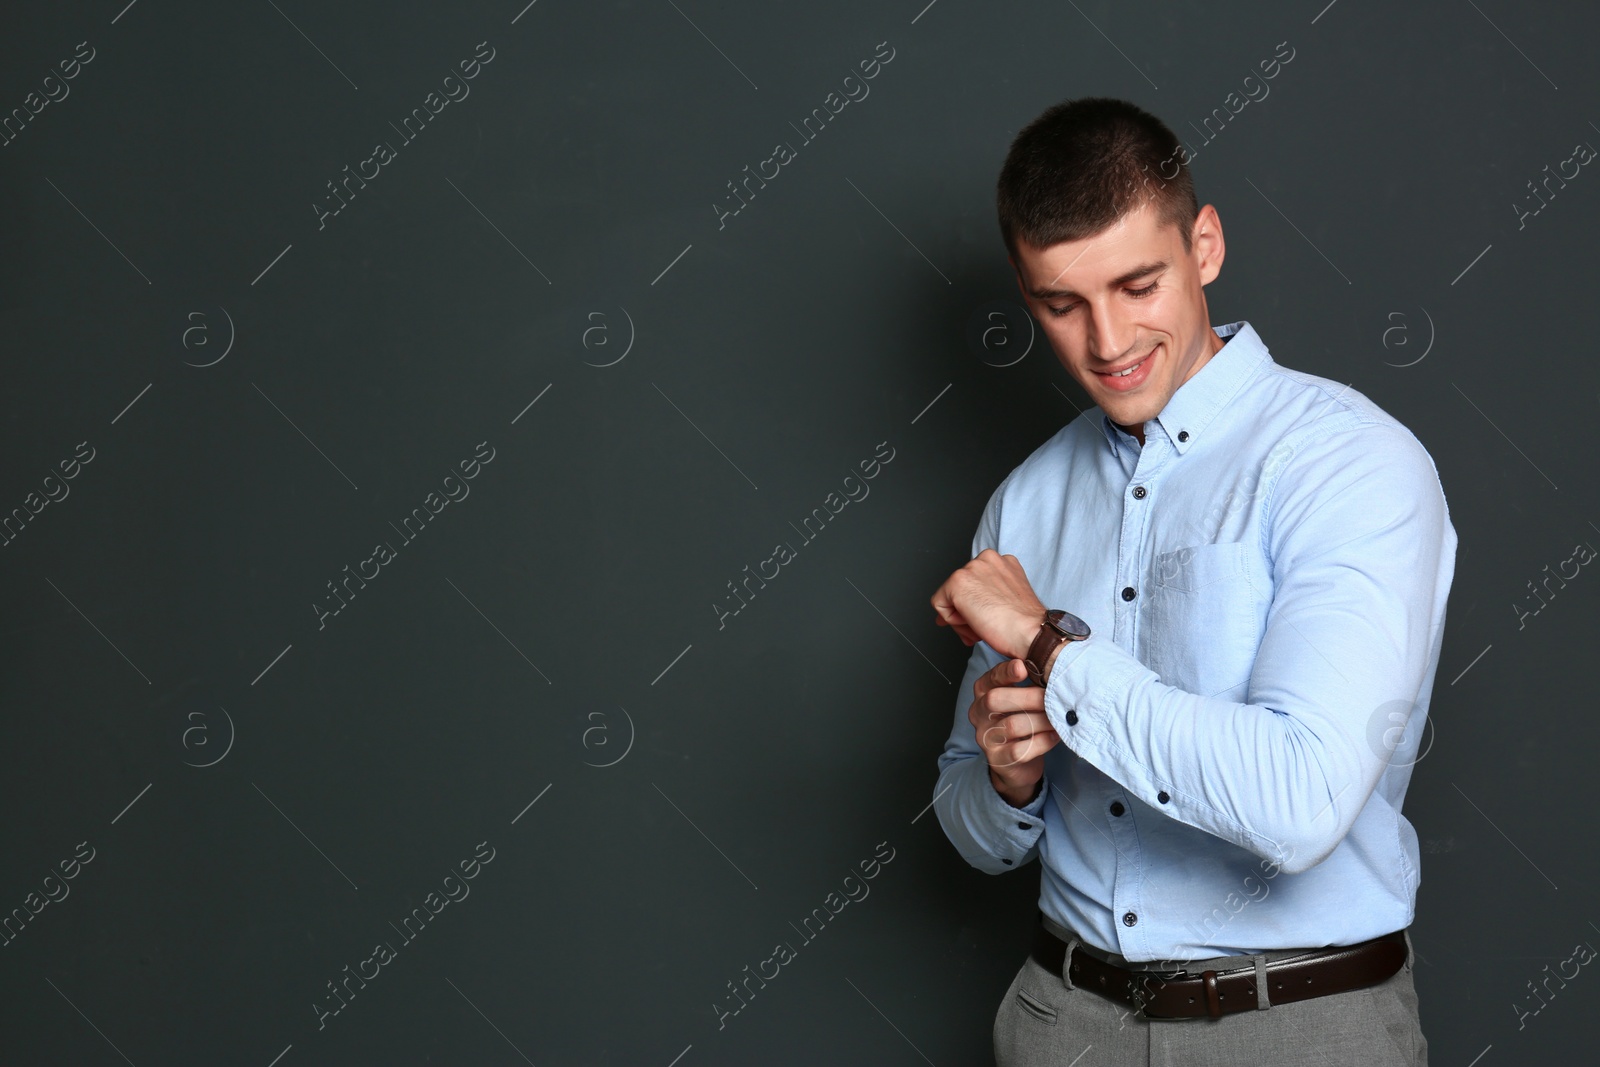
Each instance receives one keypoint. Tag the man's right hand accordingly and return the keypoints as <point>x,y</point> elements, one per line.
<point>1012,729</point>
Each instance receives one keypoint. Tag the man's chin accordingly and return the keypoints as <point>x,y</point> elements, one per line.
<point>1125,416</point>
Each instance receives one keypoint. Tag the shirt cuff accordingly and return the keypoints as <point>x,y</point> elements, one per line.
<point>1088,685</point>
<point>1033,807</point>
<point>1005,837</point>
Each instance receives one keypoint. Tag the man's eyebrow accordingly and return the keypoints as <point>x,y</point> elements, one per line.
<point>1122,279</point>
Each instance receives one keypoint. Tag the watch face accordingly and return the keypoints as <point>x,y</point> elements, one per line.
<point>1069,624</point>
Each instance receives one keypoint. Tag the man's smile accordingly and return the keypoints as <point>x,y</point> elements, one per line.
<point>1129,377</point>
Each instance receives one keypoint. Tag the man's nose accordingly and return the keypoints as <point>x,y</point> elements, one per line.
<point>1113,333</point>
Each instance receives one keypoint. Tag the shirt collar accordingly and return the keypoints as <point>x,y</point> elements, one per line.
<point>1198,401</point>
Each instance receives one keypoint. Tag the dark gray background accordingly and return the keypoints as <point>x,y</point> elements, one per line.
<point>561,616</point>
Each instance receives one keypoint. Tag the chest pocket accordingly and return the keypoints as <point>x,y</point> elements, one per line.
<point>1200,625</point>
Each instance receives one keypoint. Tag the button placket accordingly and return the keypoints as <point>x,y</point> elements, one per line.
<point>1132,550</point>
<point>1124,834</point>
<point>1136,520</point>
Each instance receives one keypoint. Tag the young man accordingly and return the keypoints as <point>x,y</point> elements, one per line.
<point>1208,740</point>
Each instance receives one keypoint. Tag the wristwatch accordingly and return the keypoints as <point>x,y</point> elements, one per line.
<point>1058,628</point>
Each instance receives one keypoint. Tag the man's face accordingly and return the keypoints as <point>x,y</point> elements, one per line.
<point>1129,296</point>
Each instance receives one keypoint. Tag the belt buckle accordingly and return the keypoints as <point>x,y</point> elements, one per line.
<point>1136,994</point>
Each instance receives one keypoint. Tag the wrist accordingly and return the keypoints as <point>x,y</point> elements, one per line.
<point>1016,796</point>
<point>1027,629</point>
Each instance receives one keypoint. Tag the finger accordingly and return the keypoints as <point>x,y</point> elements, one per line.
<point>1006,672</point>
<point>943,604</point>
<point>1016,727</point>
<point>1023,750</point>
<point>953,619</point>
<point>1004,699</point>
<point>1003,749</point>
<point>1027,745</point>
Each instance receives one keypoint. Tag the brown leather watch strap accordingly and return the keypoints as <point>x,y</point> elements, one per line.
<point>1049,638</point>
<point>1044,645</point>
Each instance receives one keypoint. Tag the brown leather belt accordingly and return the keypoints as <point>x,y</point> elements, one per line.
<point>1181,995</point>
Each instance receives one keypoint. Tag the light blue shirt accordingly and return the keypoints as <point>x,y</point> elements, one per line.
<point>1265,579</point>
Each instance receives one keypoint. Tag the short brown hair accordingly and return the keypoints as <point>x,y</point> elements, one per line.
<point>1083,164</point>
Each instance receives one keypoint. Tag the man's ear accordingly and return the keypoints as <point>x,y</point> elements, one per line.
<point>1207,244</point>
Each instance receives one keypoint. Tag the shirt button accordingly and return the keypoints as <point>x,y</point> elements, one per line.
<point>1129,919</point>
<point>1006,862</point>
<point>1128,593</point>
<point>1183,435</point>
<point>1117,809</point>
<point>1162,796</point>
<point>1138,492</point>
<point>1024,826</point>
<point>1072,717</point>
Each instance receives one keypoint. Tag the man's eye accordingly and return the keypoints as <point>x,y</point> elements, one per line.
<point>1138,293</point>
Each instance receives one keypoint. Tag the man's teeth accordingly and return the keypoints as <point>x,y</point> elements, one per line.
<point>1125,373</point>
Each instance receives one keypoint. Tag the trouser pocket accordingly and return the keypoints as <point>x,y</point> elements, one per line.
<point>1036,1007</point>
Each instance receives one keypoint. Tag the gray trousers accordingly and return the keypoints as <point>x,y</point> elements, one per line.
<point>1045,1022</point>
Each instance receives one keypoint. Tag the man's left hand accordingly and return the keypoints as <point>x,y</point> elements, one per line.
<point>989,599</point>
